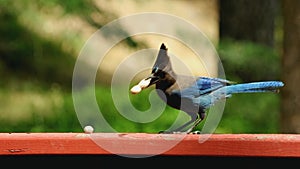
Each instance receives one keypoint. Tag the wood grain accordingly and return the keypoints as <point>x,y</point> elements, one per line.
<point>262,145</point>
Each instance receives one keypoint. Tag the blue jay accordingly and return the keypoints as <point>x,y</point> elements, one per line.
<point>194,95</point>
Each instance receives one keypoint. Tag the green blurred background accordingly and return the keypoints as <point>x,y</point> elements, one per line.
<point>36,69</point>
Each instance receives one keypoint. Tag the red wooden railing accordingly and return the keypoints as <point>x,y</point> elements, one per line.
<point>259,145</point>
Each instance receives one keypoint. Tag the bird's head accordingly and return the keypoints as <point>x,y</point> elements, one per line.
<point>156,75</point>
<point>161,70</point>
<point>162,67</point>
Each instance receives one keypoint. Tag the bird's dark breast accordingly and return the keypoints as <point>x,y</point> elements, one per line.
<point>173,100</point>
<point>176,101</point>
<point>169,91</point>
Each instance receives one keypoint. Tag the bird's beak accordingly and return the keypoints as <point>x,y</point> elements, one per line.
<point>143,84</point>
<point>153,79</point>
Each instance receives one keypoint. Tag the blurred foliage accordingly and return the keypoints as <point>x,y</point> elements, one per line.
<point>28,107</point>
<point>36,74</point>
<point>245,61</point>
<point>39,55</point>
<point>244,113</point>
<point>26,55</point>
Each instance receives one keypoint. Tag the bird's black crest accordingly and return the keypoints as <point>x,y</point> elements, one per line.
<point>163,46</point>
<point>162,59</point>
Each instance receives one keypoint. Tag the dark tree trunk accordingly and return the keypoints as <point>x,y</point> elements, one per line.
<point>251,20</point>
<point>290,113</point>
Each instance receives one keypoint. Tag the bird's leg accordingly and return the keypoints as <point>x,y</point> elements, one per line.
<point>179,129</point>
<point>200,117</point>
<point>193,126</point>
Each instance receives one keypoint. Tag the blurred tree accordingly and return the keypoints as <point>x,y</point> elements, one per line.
<point>248,20</point>
<point>245,61</point>
<point>25,55</point>
<point>290,115</point>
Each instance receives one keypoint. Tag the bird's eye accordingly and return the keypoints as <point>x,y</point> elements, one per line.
<point>155,70</point>
<point>159,73</point>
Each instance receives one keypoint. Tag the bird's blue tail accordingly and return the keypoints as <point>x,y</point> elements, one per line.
<point>254,87</point>
<point>225,92</point>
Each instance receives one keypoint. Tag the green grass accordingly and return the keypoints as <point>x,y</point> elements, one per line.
<point>251,113</point>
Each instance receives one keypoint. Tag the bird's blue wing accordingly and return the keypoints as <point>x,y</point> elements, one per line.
<point>204,85</point>
<point>207,85</point>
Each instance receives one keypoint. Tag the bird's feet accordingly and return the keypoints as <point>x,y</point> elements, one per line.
<point>172,132</point>
<point>195,132</point>
<point>179,132</point>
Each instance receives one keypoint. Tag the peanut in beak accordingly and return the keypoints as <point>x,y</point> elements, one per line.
<point>140,86</point>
